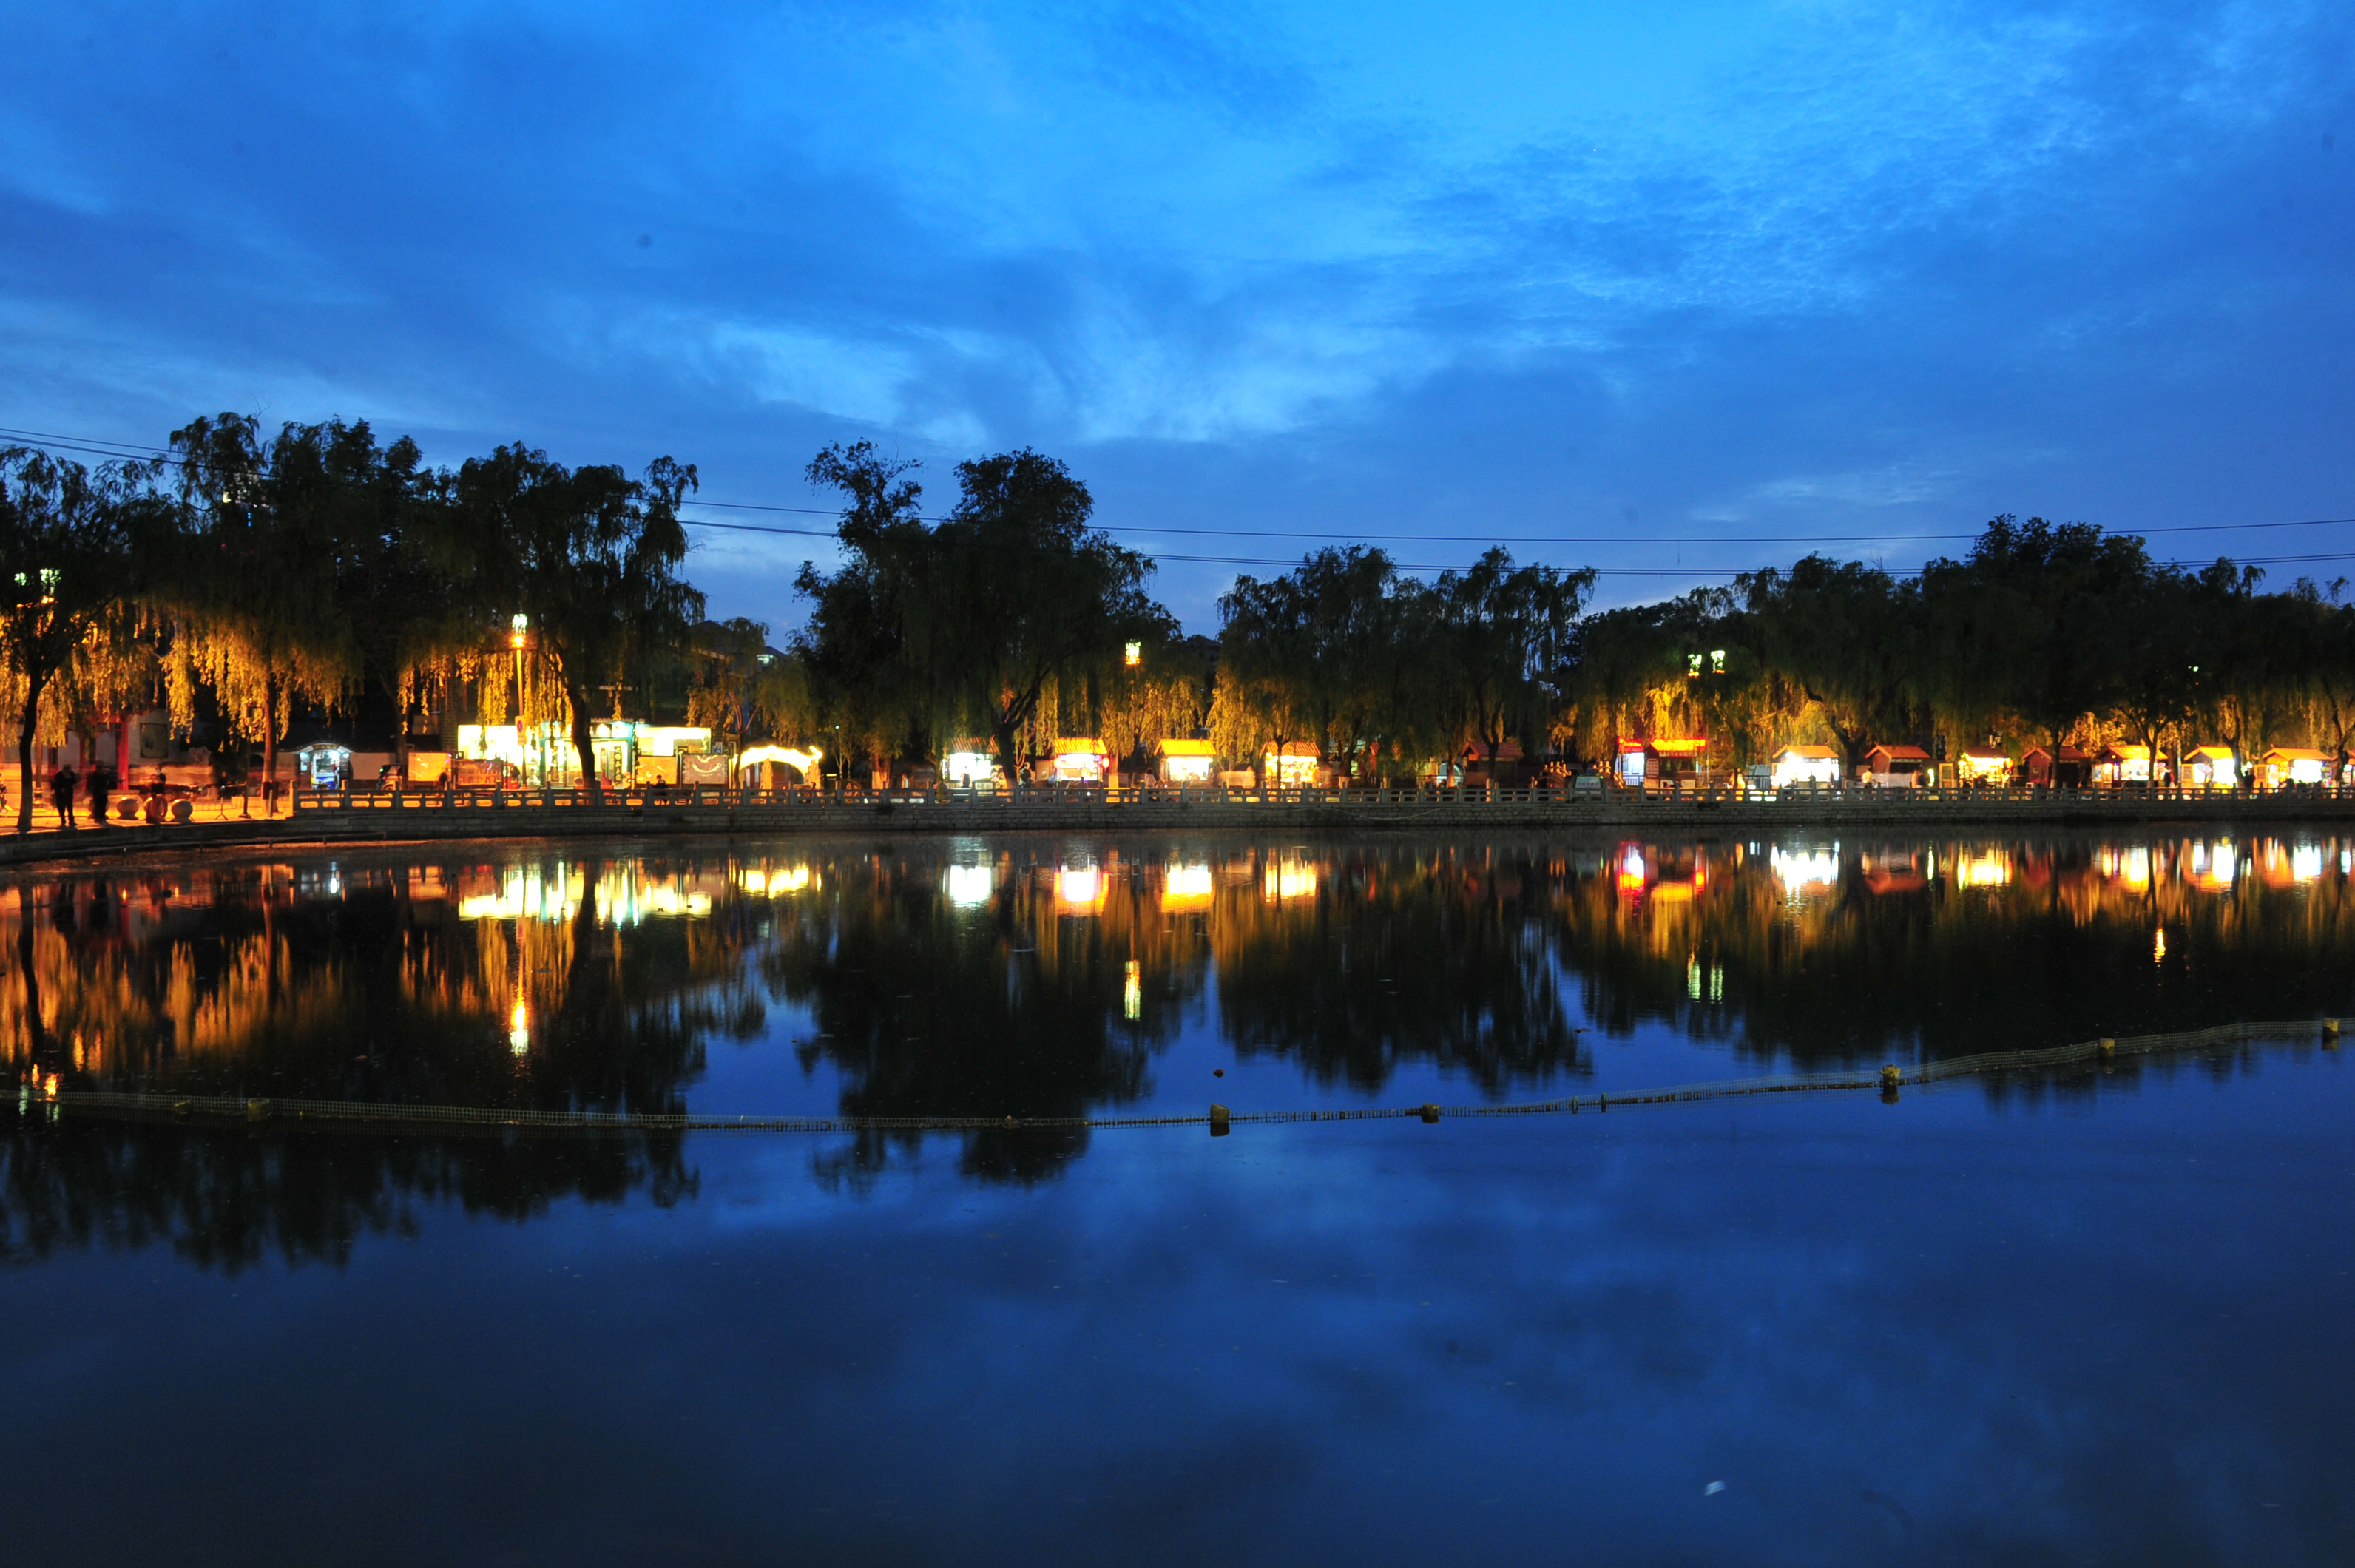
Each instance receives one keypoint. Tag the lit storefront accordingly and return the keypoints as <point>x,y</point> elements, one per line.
<point>2122,764</point>
<point>623,748</point>
<point>1806,765</point>
<point>1187,762</point>
<point>1667,761</point>
<point>1082,760</point>
<point>1983,766</point>
<point>2293,766</point>
<point>971,764</point>
<point>2212,767</point>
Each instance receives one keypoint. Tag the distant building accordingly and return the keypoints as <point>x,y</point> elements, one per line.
<point>1185,761</point>
<point>1983,766</point>
<point>1809,764</point>
<point>1898,767</point>
<point>1082,760</point>
<point>2293,766</point>
<point>2212,767</point>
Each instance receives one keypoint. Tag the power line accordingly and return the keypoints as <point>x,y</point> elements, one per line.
<point>118,450</point>
<point>1545,538</point>
<point>1426,566</point>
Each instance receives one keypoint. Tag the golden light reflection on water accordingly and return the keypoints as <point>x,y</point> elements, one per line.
<point>1186,888</point>
<point>497,966</point>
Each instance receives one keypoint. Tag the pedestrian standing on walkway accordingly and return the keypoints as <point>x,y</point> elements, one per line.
<point>61,795</point>
<point>101,791</point>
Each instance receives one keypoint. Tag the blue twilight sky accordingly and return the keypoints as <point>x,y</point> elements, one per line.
<point>1613,276</point>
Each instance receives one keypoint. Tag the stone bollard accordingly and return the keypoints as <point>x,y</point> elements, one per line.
<point>1430,1113</point>
<point>2330,1034</point>
<point>256,1110</point>
<point>1219,1127</point>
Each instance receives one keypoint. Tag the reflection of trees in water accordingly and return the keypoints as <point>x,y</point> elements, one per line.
<point>1017,1004</point>
<point>1954,948</point>
<point>378,991</point>
<point>1034,979</point>
<point>226,1200</point>
<point>1387,955</point>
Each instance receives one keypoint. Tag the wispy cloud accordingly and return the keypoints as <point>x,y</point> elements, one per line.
<point>1297,265</point>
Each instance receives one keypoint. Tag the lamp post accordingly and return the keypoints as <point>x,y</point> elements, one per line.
<point>519,639</point>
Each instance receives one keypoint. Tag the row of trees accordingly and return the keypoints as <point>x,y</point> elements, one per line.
<point>269,573</point>
<point>262,574</point>
<point>2047,633</point>
<point>2043,633</point>
<point>1012,618</point>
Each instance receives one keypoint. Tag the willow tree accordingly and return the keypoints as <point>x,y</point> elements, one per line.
<point>255,604</point>
<point>1508,636</point>
<point>1341,649</point>
<point>854,650</point>
<point>75,544</point>
<point>741,686</point>
<point>1845,637</point>
<point>589,557</point>
<point>1162,695</point>
<point>1010,601</point>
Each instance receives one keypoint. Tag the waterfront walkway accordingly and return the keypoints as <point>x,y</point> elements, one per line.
<point>367,817</point>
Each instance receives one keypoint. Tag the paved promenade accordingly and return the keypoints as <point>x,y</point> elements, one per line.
<point>539,814</point>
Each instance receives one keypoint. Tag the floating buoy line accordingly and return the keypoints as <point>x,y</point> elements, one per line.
<point>369,1115</point>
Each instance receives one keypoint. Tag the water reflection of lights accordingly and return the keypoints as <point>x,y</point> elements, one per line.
<point>2159,945</point>
<point>771,883</point>
<point>2213,866</point>
<point>1186,888</point>
<point>1804,870</point>
<point>2306,863</point>
<point>1987,869</point>
<point>527,894</point>
<point>643,899</point>
<point>1132,992</point>
<point>969,886</point>
<point>2130,865</point>
<point>624,896</point>
<point>1290,877</point>
<point>1079,889</point>
<point>1704,985</point>
<point>519,1027</point>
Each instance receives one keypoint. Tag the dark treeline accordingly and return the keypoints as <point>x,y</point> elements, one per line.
<point>251,578</point>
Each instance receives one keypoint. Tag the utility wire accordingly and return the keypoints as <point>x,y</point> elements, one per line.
<point>1544,539</point>
<point>1604,571</point>
<point>97,447</point>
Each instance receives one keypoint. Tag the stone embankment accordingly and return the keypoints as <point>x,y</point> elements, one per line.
<point>535,814</point>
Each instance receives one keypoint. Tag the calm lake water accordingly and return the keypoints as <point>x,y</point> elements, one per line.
<point>2090,1316</point>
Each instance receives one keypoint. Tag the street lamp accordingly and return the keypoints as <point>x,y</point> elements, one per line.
<point>518,639</point>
